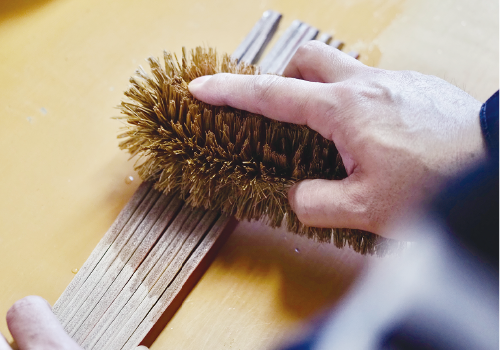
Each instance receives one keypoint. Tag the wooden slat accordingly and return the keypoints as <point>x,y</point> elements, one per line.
<point>133,300</point>
<point>153,297</point>
<point>297,34</point>
<point>127,272</point>
<point>325,38</point>
<point>111,254</point>
<point>255,50</point>
<point>147,269</point>
<point>119,262</point>
<point>194,260</point>
<point>257,39</point>
<point>278,48</point>
<point>338,44</point>
<point>101,248</point>
<point>304,34</point>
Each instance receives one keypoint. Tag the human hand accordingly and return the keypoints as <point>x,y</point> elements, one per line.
<point>34,326</point>
<point>400,134</point>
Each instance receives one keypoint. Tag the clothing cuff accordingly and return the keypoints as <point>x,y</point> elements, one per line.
<point>489,117</point>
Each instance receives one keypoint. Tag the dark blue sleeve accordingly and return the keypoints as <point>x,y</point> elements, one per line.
<point>489,124</point>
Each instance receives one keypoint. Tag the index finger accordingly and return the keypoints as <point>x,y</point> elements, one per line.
<point>283,99</point>
<point>316,61</point>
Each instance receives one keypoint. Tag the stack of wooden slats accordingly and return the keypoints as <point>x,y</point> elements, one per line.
<point>158,244</point>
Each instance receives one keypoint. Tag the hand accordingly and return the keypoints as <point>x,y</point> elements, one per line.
<point>400,134</point>
<point>34,326</point>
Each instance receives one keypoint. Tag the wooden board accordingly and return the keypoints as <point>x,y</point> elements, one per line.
<point>64,67</point>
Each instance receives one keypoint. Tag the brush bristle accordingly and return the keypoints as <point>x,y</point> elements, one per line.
<point>223,158</point>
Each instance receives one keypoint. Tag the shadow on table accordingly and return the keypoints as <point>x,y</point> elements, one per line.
<point>312,275</point>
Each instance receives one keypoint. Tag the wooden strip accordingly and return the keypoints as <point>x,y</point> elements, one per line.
<point>125,281</point>
<point>304,34</point>
<point>325,38</point>
<point>278,48</point>
<point>88,286</point>
<point>260,43</point>
<point>251,36</point>
<point>101,248</point>
<point>155,295</point>
<point>127,303</point>
<point>137,278</point>
<point>107,293</point>
<point>353,54</point>
<point>190,282</point>
<point>115,268</point>
<point>194,260</point>
<point>338,44</point>
<point>284,52</point>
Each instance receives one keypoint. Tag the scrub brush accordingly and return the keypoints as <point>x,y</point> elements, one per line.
<point>226,159</point>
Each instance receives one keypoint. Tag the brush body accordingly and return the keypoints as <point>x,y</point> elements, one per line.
<point>223,158</point>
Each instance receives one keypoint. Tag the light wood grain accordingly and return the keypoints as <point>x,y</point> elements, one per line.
<point>101,248</point>
<point>144,276</point>
<point>117,287</point>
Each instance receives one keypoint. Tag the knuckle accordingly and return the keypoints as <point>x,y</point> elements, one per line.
<point>360,206</point>
<point>24,304</point>
<point>262,88</point>
<point>300,204</point>
<point>308,48</point>
<point>345,96</point>
<point>219,83</point>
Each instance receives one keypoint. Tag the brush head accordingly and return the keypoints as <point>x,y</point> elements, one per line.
<point>223,158</point>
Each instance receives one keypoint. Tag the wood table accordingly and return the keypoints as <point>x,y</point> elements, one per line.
<point>64,67</point>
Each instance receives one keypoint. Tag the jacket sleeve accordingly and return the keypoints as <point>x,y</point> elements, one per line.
<point>489,124</point>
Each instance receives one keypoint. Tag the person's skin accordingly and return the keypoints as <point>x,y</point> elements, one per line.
<point>400,133</point>
<point>34,326</point>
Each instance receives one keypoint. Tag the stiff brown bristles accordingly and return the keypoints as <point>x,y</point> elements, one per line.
<point>223,158</point>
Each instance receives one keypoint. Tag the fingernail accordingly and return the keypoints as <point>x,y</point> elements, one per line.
<point>196,85</point>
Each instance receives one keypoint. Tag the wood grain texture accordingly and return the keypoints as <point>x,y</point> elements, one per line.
<point>127,272</point>
<point>65,65</point>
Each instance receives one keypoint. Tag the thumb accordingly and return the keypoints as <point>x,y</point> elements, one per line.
<point>331,203</point>
<point>34,326</point>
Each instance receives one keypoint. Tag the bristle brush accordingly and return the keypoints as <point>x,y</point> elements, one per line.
<point>223,158</point>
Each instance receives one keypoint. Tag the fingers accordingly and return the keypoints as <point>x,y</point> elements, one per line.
<point>284,99</point>
<point>34,326</point>
<point>328,203</point>
<point>318,62</point>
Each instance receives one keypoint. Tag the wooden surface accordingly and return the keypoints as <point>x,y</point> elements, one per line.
<point>64,66</point>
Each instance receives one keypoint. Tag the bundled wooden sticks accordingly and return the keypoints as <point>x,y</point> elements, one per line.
<point>158,244</point>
